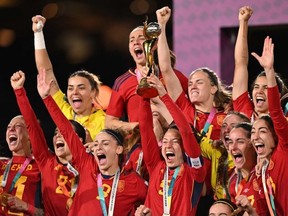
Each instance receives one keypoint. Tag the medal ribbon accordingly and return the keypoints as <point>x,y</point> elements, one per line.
<point>167,192</point>
<point>112,196</point>
<point>268,195</point>
<point>139,163</point>
<point>18,174</point>
<point>239,183</point>
<point>74,185</point>
<point>207,123</point>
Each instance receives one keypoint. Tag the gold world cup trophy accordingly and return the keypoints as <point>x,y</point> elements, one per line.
<point>151,32</point>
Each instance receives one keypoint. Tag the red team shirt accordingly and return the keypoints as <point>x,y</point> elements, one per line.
<point>252,188</point>
<point>189,111</point>
<point>131,187</point>
<point>124,102</point>
<point>54,195</point>
<point>245,105</point>
<point>198,121</point>
<point>133,158</point>
<point>277,170</point>
<point>124,99</point>
<point>186,191</point>
<point>27,187</point>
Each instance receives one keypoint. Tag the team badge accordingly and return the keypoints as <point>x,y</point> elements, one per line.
<point>121,186</point>
<point>220,119</point>
<point>255,185</point>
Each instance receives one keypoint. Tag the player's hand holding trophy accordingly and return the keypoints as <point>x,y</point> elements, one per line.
<point>151,32</point>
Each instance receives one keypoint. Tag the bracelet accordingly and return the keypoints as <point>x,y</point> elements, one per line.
<point>39,42</point>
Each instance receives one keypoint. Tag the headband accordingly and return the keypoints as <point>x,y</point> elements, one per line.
<point>119,138</point>
<point>226,203</point>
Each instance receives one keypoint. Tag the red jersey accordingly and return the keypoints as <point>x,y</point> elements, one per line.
<point>124,96</point>
<point>276,172</point>
<point>194,116</point>
<point>135,161</point>
<point>131,188</point>
<point>56,178</point>
<point>27,187</point>
<point>188,183</point>
<point>198,119</point>
<point>253,189</point>
<point>245,105</point>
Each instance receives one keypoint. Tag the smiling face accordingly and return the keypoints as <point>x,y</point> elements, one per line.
<point>228,123</point>
<point>200,89</point>
<point>80,95</point>
<point>241,149</point>
<point>17,136</point>
<point>172,148</point>
<point>106,152</point>
<point>263,139</point>
<point>61,148</point>
<point>136,39</point>
<point>259,95</point>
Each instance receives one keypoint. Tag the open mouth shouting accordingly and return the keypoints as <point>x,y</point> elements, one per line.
<point>138,52</point>
<point>259,148</point>
<point>170,156</point>
<point>13,140</point>
<point>59,144</point>
<point>260,100</point>
<point>77,102</point>
<point>101,158</point>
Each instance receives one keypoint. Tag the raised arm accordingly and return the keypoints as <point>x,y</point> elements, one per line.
<point>267,62</point>
<point>115,122</point>
<point>190,144</point>
<point>77,149</point>
<point>172,82</point>
<point>149,142</point>
<point>41,55</point>
<point>36,134</point>
<point>241,55</point>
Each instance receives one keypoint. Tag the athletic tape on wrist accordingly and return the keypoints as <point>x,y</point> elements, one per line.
<point>39,42</point>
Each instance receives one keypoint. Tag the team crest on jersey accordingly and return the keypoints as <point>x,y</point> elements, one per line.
<point>271,165</point>
<point>255,185</point>
<point>121,186</point>
<point>220,119</point>
<point>57,167</point>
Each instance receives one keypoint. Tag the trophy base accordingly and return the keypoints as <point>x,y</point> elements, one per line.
<point>147,91</point>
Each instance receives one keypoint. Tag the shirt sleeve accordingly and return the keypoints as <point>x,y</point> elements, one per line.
<point>116,105</point>
<point>190,144</point>
<point>187,107</point>
<point>151,151</point>
<point>244,104</point>
<point>76,147</point>
<point>36,134</point>
<point>277,115</point>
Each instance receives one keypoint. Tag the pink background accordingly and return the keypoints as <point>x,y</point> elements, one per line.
<point>197,23</point>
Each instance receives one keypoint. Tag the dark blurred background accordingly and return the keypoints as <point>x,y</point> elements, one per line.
<point>84,34</point>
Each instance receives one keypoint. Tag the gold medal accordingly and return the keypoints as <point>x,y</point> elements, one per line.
<point>69,203</point>
<point>4,199</point>
<point>1,190</point>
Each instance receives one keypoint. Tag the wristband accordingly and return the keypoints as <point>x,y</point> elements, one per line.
<point>39,42</point>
